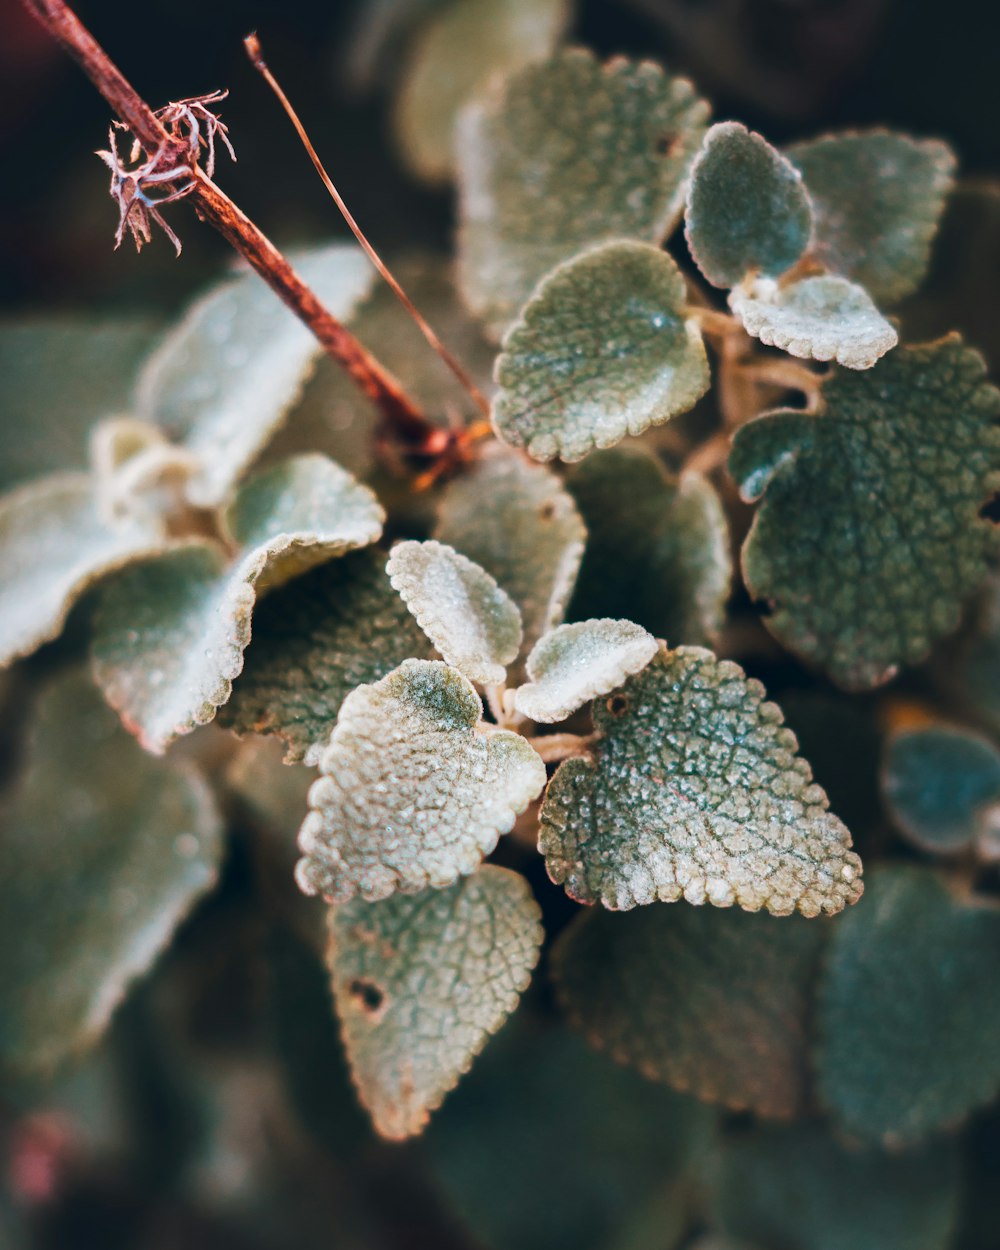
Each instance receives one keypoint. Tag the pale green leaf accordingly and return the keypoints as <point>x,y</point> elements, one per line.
<point>421,983</point>
<point>563,155</point>
<point>694,790</point>
<point>877,198</point>
<point>603,349</point>
<point>473,623</point>
<point>105,851</point>
<point>869,539</point>
<point>415,789</point>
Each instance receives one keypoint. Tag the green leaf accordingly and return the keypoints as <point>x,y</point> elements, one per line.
<point>695,790</point>
<point>877,198</point>
<point>472,622</point>
<point>170,633</point>
<point>869,539</point>
<point>105,852</point>
<point>714,1004</point>
<point>415,789</point>
<point>910,1009</point>
<point>458,51</point>
<point>747,210</point>
<point>422,982</point>
<point>563,155</point>
<point>658,547</point>
<point>601,350</point>
<point>223,380</point>
<point>315,640</point>
<point>573,664</point>
<point>824,318</point>
<point>968,671</point>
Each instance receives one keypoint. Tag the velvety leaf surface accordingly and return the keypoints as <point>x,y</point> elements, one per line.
<point>415,791</point>
<point>910,1009</point>
<point>563,155</point>
<point>222,380</point>
<point>421,982</point>
<point>695,790</point>
<point>747,210</point>
<point>170,633</point>
<point>869,539</point>
<point>601,350</point>
<point>714,1004</point>
<point>105,851</point>
<point>337,627</point>
<point>825,318</point>
<point>473,623</point>
<point>798,1187</point>
<point>658,547</point>
<point>575,663</point>
<point>877,198</point>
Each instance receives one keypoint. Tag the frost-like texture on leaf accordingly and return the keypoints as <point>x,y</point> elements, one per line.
<point>715,1005</point>
<point>575,663</point>
<point>825,318</point>
<point>658,548</point>
<point>415,791</point>
<point>223,380</point>
<point>472,622</point>
<point>798,1187</point>
<point>534,540</point>
<point>170,633</point>
<point>105,851</point>
<point>458,51</point>
<point>869,539</point>
<point>421,983</point>
<point>563,155</point>
<point>314,641</point>
<point>601,350</point>
<point>877,198</point>
<point>910,1009</point>
<point>940,785</point>
<point>747,210</point>
<point>695,790</point>
<point>54,544</point>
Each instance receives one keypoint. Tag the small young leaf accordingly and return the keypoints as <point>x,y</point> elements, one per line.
<point>415,791</point>
<point>601,350</point>
<point>877,198</point>
<point>715,1005</point>
<point>695,790</point>
<point>573,664</point>
<point>869,539</point>
<point>563,155</point>
<point>422,982</point>
<point>910,1009</point>
<point>472,622</point>
<point>658,547</point>
<point>747,210</point>
<point>824,318</point>
<point>91,890</point>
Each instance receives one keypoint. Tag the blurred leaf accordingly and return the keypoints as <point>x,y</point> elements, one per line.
<point>969,669</point>
<point>694,790</point>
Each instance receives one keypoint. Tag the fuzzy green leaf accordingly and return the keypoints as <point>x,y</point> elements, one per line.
<point>170,632</point>
<point>601,350</point>
<point>910,1009</point>
<point>415,790</point>
<point>747,210</point>
<point>422,982</point>
<point>695,790</point>
<point>564,155</point>
<point>105,851</point>
<point>658,546</point>
<point>877,198</point>
<point>473,623</point>
<point>824,318</point>
<point>869,539</point>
